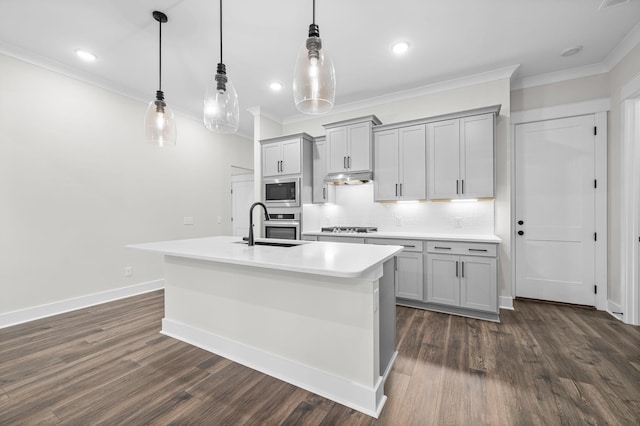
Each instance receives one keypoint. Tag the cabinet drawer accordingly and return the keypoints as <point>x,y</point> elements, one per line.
<point>409,245</point>
<point>462,248</point>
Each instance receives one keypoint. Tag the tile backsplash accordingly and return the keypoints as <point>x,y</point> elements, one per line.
<point>354,206</point>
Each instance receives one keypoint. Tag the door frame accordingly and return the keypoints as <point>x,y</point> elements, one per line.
<point>599,108</point>
<point>630,202</point>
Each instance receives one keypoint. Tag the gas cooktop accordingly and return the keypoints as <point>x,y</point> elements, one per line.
<point>350,229</point>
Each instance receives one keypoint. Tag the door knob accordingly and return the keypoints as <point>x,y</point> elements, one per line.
<point>520,232</point>
<point>521,222</point>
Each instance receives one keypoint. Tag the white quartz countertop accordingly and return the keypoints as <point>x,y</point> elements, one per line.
<point>322,258</point>
<point>413,236</point>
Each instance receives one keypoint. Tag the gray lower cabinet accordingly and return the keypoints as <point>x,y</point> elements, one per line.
<point>409,267</point>
<point>453,277</point>
<point>462,275</point>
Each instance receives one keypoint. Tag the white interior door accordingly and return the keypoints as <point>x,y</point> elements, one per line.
<point>555,210</point>
<point>241,200</point>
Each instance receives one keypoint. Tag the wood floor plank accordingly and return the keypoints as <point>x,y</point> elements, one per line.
<point>542,365</point>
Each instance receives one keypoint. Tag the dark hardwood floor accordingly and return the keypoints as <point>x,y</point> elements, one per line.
<point>543,365</point>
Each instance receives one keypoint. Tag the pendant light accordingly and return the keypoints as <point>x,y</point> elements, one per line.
<point>221,111</point>
<point>159,121</point>
<point>314,78</point>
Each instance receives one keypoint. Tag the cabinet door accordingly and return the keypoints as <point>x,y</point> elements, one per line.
<point>359,151</point>
<point>320,189</point>
<point>409,276</point>
<point>477,156</point>
<point>478,283</point>
<point>413,163</point>
<point>444,159</point>
<point>385,148</point>
<point>443,284</point>
<point>290,157</point>
<point>271,157</point>
<point>336,150</point>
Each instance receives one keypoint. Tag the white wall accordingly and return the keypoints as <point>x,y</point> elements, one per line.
<point>442,102</point>
<point>78,183</point>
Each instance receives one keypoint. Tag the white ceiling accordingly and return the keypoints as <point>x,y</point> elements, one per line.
<point>449,39</point>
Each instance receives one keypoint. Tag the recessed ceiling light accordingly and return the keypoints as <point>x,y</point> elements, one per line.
<point>86,56</point>
<point>400,47</point>
<point>570,51</point>
<point>276,86</point>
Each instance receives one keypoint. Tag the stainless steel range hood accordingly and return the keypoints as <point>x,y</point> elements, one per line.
<point>349,178</point>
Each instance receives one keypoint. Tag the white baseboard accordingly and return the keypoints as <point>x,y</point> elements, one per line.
<point>612,308</point>
<point>42,311</point>
<point>368,400</point>
<point>505,302</point>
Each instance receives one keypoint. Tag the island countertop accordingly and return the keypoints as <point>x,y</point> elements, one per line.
<point>322,258</point>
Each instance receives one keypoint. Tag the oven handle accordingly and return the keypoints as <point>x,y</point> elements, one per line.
<point>281,223</point>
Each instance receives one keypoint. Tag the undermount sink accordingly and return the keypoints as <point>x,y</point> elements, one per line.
<point>272,244</point>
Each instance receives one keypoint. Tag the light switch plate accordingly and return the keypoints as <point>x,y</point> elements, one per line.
<point>187,220</point>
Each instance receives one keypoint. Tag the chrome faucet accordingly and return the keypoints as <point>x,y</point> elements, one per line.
<point>266,217</point>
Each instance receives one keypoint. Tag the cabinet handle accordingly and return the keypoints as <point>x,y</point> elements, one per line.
<point>396,189</point>
<point>457,183</point>
<point>462,269</point>
<point>401,190</point>
<point>349,161</point>
<point>408,246</point>
<point>478,250</point>
<point>457,268</point>
<point>344,162</point>
<point>462,186</point>
<point>324,193</point>
<point>442,248</point>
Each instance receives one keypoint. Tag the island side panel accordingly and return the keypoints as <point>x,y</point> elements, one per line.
<point>387,316</point>
<point>323,322</point>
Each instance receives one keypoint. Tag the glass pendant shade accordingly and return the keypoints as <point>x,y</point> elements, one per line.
<point>221,108</point>
<point>159,121</point>
<point>314,79</point>
<point>160,124</point>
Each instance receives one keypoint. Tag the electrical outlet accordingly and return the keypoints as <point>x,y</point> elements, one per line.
<point>457,222</point>
<point>187,220</point>
<point>128,271</point>
<point>398,221</point>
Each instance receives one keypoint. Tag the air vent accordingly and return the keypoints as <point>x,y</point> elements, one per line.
<point>610,3</point>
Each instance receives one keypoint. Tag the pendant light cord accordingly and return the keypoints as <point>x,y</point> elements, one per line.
<point>160,57</point>
<point>314,12</point>
<point>221,31</point>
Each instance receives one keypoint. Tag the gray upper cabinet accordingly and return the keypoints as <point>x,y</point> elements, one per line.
<point>281,158</point>
<point>461,157</point>
<point>349,145</point>
<point>286,155</point>
<point>400,164</point>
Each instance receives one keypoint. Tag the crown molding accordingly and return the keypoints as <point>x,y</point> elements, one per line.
<point>558,76</point>
<point>260,111</point>
<point>623,48</point>
<point>457,83</point>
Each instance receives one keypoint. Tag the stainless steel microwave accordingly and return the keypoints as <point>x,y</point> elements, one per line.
<point>282,192</point>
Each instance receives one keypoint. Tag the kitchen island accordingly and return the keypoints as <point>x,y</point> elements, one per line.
<point>318,315</point>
